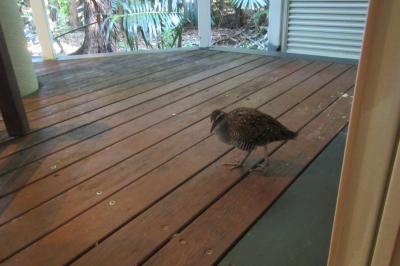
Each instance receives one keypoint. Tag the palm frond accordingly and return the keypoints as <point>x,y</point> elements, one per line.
<point>142,17</point>
<point>249,4</point>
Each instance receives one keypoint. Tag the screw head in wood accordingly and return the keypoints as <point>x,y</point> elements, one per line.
<point>209,251</point>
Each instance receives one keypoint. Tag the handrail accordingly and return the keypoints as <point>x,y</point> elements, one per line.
<point>73,30</point>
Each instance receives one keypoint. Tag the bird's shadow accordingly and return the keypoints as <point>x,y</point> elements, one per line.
<point>276,168</point>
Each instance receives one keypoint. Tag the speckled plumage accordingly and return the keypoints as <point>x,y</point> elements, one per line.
<point>247,128</point>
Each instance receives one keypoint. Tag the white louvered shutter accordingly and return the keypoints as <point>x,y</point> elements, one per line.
<point>326,28</point>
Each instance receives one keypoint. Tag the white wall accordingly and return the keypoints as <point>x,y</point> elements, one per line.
<point>21,59</point>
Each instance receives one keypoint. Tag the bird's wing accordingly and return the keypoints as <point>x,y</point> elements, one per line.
<point>259,126</point>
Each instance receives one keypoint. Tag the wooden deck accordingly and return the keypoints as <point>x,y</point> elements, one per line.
<point>120,166</point>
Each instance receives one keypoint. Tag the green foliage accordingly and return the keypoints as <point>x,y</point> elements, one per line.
<point>62,6</point>
<point>167,39</point>
<point>25,11</point>
<point>249,4</point>
<point>258,14</point>
<point>22,3</point>
<point>59,15</point>
<point>142,18</point>
<point>260,18</point>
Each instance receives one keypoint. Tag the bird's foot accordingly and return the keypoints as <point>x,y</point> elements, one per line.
<point>261,167</point>
<point>234,165</point>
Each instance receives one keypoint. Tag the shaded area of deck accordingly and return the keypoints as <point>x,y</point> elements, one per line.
<point>120,166</point>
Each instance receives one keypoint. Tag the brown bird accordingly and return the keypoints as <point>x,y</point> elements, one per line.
<point>247,128</point>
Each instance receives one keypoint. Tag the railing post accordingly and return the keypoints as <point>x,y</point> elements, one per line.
<point>11,105</point>
<point>366,224</point>
<point>40,18</point>
<point>204,17</point>
<point>275,26</point>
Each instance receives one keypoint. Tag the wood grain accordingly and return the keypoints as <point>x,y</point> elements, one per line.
<point>190,200</point>
<point>140,105</point>
<point>208,237</point>
<point>123,154</point>
<point>116,183</point>
<point>75,120</point>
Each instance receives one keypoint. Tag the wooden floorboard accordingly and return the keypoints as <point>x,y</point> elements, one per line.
<point>125,149</point>
<point>208,237</point>
<point>116,156</point>
<point>97,109</point>
<point>125,90</point>
<point>82,71</point>
<point>304,212</point>
<point>179,207</point>
<point>52,67</point>
<point>35,153</point>
<point>106,76</point>
<point>135,108</point>
<point>126,133</point>
<point>62,158</point>
<point>99,74</point>
<point>50,92</point>
<point>116,178</point>
<point>102,83</point>
<point>118,92</point>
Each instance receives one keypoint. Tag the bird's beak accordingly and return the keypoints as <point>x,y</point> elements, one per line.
<point>213,126</point>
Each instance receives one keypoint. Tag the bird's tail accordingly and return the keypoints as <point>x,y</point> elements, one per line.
<point>291,134</point>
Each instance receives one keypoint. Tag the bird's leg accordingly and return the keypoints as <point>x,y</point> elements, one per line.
<point>266,155</point>
<point>265,164</point>
<point>239,164</point>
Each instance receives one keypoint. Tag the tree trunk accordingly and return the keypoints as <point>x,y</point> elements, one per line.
<point>73,13</point>
<point>195,13</point>
<point>239,17</point>
<point>95,41</point>
<point>170,5</point>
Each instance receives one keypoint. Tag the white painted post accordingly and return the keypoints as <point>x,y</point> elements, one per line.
<point>40,18</point>
<point>275,17</point>
<point>204,22</point>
